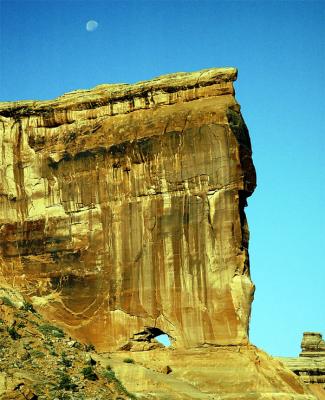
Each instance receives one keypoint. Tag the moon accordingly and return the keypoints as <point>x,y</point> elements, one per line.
<point>91,25</point>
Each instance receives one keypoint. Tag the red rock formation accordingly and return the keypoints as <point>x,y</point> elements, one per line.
<point>122,207</point>
<point>122,217</point>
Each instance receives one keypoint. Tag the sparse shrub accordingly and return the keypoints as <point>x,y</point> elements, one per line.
<point>78,345</point>
<point>28,307</point>
<point>37,353</point>
<point>64,396</point>
<point>89,360</point>
<point>21,324</point>
<point>65,360</point>
<point>19,314</point>
<point>7,302</point>
<point>89,373</point>
<point>109,375</point>
<point>13,333</point>
<point>129,360</point>
<point>89,347</point>
<point>48,342</point>
<point>65,382</point>
<point>27,346</point>
<point>51,330</point>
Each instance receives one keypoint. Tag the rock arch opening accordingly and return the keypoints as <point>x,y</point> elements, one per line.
<point>164,339</point>
<point>153,334</point>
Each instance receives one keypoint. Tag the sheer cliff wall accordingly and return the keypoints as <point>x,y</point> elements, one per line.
<point>122,208</point>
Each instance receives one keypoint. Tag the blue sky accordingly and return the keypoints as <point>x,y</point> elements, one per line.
<point>279,49</point>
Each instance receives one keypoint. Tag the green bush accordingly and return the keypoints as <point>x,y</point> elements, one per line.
<point>7,302</point>
<point>78,346</point>
<point>63,396</point>
<point>28,307</point>
<point>90,374</point>
<point>13,333</point>
<point>51,330</point>
<point>89,347</point>
<point>65,360</point>
<point>37,353</point>
<point>65,382</point>
<point>53,352</point>
<point>129,360</point>
<point>109,375</point>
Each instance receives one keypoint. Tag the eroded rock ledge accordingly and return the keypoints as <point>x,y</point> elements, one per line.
<point>310,365</point>
<point>122,209</point>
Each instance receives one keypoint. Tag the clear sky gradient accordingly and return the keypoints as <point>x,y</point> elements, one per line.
<point>279,49</point>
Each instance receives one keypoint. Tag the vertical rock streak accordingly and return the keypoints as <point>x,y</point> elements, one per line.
<point>122,208</point>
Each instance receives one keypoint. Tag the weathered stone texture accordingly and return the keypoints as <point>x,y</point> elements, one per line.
<point>212,373</point>
<point>122,217</point>
<point>123,207</point>
<point>312,345</point>
<point>310,365</point>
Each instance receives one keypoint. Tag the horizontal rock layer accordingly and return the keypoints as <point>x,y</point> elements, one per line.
<point>310,365</point>
<point>122,208</point>
<point>312,345</point>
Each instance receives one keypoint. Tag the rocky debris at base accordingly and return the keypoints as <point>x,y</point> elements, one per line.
<point>39,362</point>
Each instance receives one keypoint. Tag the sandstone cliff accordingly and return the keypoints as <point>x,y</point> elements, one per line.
<point>122,217</point>
<point>122,208</point>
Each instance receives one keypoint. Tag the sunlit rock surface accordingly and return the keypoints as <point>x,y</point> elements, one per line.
<point>122,218</point>
<point>212,373</point>
<point>310,365</point>
<point>123,207</point>
<point>312,345</point>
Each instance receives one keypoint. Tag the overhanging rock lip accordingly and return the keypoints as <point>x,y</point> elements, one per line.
<point>118,92</point>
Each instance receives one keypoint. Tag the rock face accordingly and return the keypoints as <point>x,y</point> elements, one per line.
<point>312,345</point>
<point>122,209</point>
<point>213,373</point>
<point>310,365</point>
<point>122,218</point>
